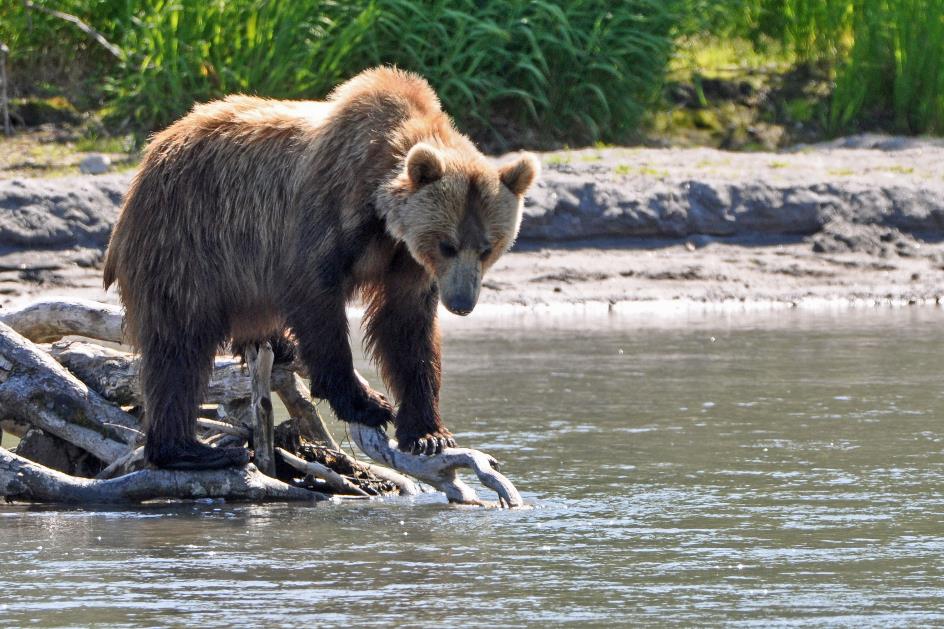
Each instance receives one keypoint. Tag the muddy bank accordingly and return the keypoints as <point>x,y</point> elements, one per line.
<point>673,193</point>
<point>859,219</point>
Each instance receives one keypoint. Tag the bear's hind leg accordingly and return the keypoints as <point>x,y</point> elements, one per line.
<point>174,375</point>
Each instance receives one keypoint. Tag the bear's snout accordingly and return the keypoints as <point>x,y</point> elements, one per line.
<point>459,283</point>
<point>459,304</point>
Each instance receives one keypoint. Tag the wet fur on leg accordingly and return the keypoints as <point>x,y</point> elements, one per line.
<point>174,375</point>
<point>402,334</point>
<point>322,333</point>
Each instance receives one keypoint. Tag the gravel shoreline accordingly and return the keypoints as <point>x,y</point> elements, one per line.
<point>856,221</point>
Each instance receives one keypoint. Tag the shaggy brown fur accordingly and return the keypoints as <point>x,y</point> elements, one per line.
<point>251,215</point>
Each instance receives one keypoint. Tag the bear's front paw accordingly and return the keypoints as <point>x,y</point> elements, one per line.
<point>371,408</point>
<point>429,444</point>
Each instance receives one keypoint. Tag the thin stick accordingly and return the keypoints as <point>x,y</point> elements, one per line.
<point>122,464</point>
<point>439,470</point>
<point>334,480</point>
<point>51,319</point>
<point>82,26</point>
<point>291,390</point>
<point>221,427</point>
<point>4,51</point>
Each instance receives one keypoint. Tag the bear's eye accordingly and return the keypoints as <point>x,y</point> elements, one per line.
<point>485,254</point>
<point>448,250</point>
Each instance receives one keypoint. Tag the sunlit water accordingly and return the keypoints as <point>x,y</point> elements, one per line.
<point>753,469</point>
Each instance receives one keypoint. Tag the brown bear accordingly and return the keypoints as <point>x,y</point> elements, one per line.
<point>250,217</point>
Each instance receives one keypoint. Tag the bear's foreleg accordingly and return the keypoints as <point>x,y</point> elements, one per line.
<point>403,336</point>
<point>320,325</point>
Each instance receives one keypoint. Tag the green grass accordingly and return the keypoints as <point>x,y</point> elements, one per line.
<point>558,160</point>
<point>841,172</point>
<point>577,72</point>
<point>887,56</point>
<point>800,109</point>
<point>644,170</point>
<point>900,170</point>
<point>895,67</point>
<point>805,29</point>
<point>104,144</point>
<point>178,53</point>
<point>582,70</point>
<point>707,55</point>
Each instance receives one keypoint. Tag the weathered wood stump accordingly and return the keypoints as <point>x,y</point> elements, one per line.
<point>260,359</point>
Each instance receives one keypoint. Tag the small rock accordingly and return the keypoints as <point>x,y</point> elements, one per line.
<point>95,164</point>
<point>698,241</point>
<point>57,454</point>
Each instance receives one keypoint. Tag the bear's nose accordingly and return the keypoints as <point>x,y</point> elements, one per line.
<point>460,305</point>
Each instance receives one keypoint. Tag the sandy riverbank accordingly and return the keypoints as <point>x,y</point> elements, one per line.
<point>627,275</point>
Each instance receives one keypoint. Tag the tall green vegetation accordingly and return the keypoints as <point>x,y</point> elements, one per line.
<point>895,68</point>
<point>543,70</point>
<point>180,52</point>
<point>580,70</point>
<point>584,68</point>
<point>812,29</point>
<point>50,56</point>
<point>886,55</point>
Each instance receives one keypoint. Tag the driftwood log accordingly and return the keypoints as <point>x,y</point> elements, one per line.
<point>49,320</point>
<point>78,390</point>
<point>439,470</point>
<point>37,390</point>
<point>22,479</point>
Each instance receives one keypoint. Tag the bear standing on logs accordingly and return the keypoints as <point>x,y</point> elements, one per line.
<point>252,216</point>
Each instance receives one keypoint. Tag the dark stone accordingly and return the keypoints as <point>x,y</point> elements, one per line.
<point>842,236</point>
<point>56,454</point>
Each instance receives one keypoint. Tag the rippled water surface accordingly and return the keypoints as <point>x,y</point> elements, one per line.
<point>752,469</point>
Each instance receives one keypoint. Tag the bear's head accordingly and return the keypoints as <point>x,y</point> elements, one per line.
<point>457,214</point>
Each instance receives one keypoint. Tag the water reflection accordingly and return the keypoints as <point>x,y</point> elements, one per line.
<point>764,468</point>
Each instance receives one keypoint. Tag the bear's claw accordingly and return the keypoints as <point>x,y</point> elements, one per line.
<point>428,445</point>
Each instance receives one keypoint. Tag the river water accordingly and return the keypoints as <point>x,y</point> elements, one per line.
<point>755,469</point>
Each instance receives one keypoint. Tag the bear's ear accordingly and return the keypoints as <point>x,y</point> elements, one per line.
<point>424,165</point>
<point>519,175</point>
